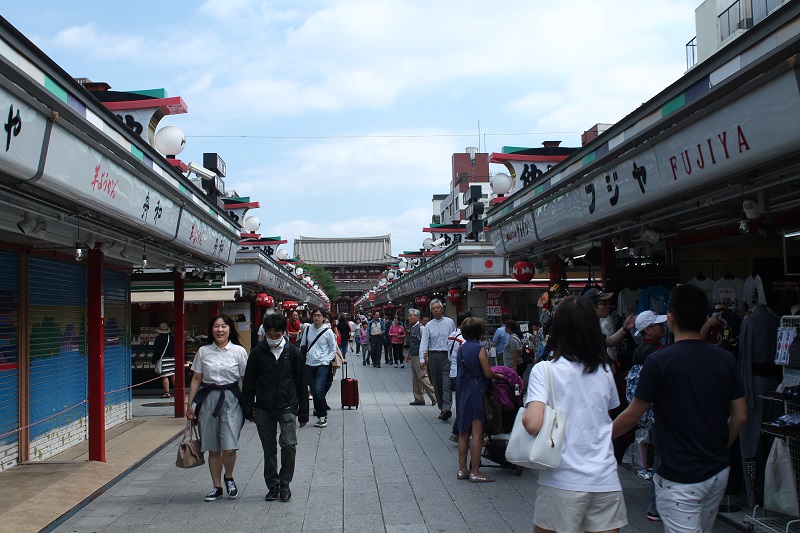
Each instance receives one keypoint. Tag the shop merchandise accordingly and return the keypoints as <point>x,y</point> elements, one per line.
<point>728,291</point>
<point>753,292</point>
<point>628,301</point>
<point>707,284</point>
<point>654,298</point>
<point>786,337</point>
<point>780,488</point>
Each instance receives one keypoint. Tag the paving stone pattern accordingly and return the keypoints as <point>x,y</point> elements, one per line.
<point>385,467</point>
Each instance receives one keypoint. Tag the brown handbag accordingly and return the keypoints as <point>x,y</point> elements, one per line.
<point>189,454</point>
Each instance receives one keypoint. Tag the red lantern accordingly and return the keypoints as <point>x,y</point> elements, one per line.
<point>454,295</point>
<point>293,305</point>
<point>523,271</point>
<point>422,301</point>
<point>286,305</point>
<point>261,300</point>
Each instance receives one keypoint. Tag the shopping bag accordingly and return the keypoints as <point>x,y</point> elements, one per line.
<point>780,488</point>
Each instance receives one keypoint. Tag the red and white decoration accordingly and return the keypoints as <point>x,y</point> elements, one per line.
<point>454,296</point>
<point>523,271</point>
<point>264,300</point>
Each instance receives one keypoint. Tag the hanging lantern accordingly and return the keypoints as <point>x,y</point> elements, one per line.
<point>286,305</point>
<point>261,300</point>
<point>454,296</point>
<point>422,301</point>
<point>293,305</point>
<point>523,271</point>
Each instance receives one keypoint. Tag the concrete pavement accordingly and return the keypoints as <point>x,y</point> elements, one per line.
<point>386,467</point>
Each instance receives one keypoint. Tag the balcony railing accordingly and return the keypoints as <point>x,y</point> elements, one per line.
<point>738,16</point>
<point>762,8</point>
<point>691,53</point>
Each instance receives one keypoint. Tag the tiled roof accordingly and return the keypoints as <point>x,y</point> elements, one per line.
<point>344,251</point>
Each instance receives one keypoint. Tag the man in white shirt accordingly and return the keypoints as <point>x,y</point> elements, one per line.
<point>433,352</point>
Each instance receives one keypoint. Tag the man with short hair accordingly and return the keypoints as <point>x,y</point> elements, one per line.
<point>433,351</point>
<point>698,399</point>
<point>273,396</point>
<point>376,327</point>
<point>499,339</point>
<point>419,377</point>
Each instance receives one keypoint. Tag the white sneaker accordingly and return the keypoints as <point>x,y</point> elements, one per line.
<point>321,422</point>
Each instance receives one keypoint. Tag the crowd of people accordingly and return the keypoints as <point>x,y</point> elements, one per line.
<point>691,387</point>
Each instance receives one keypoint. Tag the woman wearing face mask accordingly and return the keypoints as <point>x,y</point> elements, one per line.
<point>214,396</point>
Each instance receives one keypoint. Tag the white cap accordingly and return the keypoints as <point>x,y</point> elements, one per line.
<point>648,318</point>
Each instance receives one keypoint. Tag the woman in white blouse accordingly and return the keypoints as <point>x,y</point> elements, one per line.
<point>218,368</point>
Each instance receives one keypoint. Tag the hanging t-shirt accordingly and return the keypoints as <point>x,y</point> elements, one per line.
<point>628,301</point>
<point>654,298</point>
<point>728,292</point>
<point>753,292</point>
<point>707,284</point>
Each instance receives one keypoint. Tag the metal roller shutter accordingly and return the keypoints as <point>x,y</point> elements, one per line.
<point>9,374</point>
<point>58,367</point>
<point>117,348</point>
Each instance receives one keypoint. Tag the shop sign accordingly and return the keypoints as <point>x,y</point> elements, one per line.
<point>529,172</point>
<point>203,238</point>
<point>755,129</point>
<point>481,265</point>
<point>494,303</point>
<point>519,232</point>
<point>22,137</point>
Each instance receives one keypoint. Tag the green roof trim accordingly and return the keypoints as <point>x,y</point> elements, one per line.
<point>514,149</point>
<point>138,153</point>
<point>183,189</point>
<point>588,158</point>
<point>153,93</point>
<point>53,86</point>
<point>672,105</point>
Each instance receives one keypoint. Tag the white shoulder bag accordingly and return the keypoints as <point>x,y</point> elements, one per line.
<point>542,451</point>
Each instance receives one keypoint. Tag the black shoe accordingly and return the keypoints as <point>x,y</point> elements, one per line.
<point>446,415</point>
<point>415,402</point>
<point>272,495</point>
<point>215,493</point>
<point>377,366</point>
<point>286,494</point>
<point>230,486</point>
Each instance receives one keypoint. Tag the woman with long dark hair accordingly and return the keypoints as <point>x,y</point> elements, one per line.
<point>218,369</point>
<point>583,492</point>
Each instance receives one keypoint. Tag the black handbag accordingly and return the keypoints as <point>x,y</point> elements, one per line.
<point>304,348</point>
<point>492,413</point>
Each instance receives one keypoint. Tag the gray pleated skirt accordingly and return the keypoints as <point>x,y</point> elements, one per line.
<point>222,432</point>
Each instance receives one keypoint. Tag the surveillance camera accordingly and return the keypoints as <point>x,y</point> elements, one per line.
<point>201,171</point>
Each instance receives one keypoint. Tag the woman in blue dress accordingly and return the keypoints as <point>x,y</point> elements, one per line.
<point>474,376</point>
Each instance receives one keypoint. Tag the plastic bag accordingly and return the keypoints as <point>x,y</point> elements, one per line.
<point>780,489</point>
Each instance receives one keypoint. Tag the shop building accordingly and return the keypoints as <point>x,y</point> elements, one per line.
<point>86,200</point>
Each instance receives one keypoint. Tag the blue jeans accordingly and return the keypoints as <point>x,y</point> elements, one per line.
<point>316,376</point>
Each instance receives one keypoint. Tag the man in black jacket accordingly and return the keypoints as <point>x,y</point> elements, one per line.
<point>274,394</point>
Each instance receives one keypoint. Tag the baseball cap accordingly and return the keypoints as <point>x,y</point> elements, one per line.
<point>648,318</point>
<point>596,295</point>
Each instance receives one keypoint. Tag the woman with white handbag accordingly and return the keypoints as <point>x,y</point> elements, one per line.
<point>583,492</point>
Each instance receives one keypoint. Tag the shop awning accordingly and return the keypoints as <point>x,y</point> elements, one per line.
<point>221,294</point>
<point>514,285</point>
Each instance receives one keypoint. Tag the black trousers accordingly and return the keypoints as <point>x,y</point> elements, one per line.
<point>375,344</point>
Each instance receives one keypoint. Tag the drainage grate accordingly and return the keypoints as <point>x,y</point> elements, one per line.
<point>159,404</point>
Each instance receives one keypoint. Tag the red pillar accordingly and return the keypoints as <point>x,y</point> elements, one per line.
<point>608,257</point>
<point>180,356</point>
<point>95,333</point>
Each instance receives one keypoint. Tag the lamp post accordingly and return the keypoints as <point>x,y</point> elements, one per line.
<point>501,184</point>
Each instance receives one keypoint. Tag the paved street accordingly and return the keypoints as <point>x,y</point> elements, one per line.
<point>387,466</point>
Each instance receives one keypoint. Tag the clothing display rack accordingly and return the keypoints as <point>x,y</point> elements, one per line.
<point>791,435</point>
<point>714,269</point>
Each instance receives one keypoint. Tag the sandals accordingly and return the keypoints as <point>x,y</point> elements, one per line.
<point>165,395</point>
<point>462,474</point>
<point>480,478</point>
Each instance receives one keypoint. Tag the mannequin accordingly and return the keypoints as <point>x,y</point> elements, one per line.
<point>759,336</point>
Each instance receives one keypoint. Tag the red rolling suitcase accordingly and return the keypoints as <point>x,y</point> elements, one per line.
<point>349,390</point>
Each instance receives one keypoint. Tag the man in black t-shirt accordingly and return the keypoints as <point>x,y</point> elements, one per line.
<point>698,399</point>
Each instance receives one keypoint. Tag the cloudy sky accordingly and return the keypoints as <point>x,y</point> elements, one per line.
<point>340,117</point>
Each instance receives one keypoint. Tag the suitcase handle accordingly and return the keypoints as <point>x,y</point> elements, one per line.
<point>344,364</point>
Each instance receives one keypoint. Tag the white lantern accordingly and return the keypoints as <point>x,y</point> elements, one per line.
<point>427,243</point>
<point>403,263</point>
<point>501,183</point>
<point>252,224</point>
<point>170,141</point>
<point>282,254</point>
<point>390,275</point>
<point>299,271</point>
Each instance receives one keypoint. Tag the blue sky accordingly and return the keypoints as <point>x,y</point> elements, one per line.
<point>340,117</point>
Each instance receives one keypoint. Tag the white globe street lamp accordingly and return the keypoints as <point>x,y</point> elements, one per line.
<point>252,224</point>
<point>170,141</point>
<point>427,243</point>
<point>501,183</point>
<point>282,254</point>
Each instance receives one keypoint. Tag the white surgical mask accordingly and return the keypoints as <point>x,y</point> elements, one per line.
<point>274,343</point>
